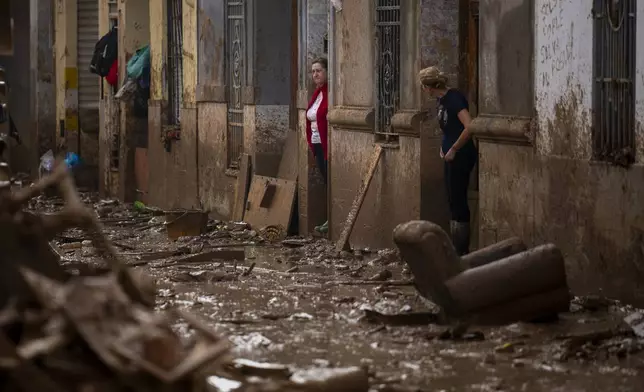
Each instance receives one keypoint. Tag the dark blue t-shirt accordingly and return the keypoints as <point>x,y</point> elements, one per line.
<point>449,106</point>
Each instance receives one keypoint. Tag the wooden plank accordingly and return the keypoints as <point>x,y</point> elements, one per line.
<point>343,241</point>
<point>279,212</point>
<point>269,195</point>
<point>241,188</point>
<point>289,168</point>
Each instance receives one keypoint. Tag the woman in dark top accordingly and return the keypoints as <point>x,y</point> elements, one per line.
<point>457,150</point>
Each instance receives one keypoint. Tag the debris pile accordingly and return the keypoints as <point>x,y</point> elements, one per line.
<point>60,332</point>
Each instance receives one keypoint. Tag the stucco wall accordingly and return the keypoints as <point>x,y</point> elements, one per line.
<point>551,191</point>
<point>563,77</point>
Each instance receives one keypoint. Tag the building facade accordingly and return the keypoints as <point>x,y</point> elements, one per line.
<point>29,67</point>
<point>377,49</point>
<point>561,135</point>
<point>223,84</point>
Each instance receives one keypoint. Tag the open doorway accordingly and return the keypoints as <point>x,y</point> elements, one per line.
<point>469,66</point>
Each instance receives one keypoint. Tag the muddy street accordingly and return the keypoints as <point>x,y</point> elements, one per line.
<point>301,304</point>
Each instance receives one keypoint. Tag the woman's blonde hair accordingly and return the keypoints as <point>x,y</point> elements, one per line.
<point>433,77</point>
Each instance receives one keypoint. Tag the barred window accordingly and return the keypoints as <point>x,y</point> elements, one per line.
<point>387,64</point>
<point>236,30</point>
<point>113,13</point>
<point>175,61</point>
<point>614,76</point>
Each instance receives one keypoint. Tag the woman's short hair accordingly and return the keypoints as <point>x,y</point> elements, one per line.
<point>322,61</point>
<point>433,77</point>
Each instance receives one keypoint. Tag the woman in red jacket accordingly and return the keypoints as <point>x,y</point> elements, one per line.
<point>316,123</point>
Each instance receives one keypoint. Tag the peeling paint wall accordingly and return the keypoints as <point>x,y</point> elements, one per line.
<point>563,77</point>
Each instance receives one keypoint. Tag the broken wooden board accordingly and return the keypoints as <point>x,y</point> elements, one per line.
<point>279,211</point>
<point>241,188</point>
<point>343,241</point>
<point>289,167</point>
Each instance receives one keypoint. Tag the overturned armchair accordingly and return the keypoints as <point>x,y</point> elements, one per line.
<point>503,283</point>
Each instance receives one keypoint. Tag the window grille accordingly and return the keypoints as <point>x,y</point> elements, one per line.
<point>112,12</point>
<point>614,75</point>
<point>236,28</point>
<point>175,61</point>
<point>387,63</point>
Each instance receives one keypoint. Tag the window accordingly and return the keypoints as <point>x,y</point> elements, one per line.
<point>113,12</point>
<point>387,64</point>
<point>614,76</point>
<point>236,29</point>
<point>175,61</point>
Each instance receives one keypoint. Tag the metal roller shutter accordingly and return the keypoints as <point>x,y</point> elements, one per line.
<point>88,83</point>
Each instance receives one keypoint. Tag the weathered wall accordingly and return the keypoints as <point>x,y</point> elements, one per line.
<point>42,76</point>
<point>174,179</point>
<point>563,78</point>
<point>270,80</point>
<point>216,187</point>
<point>550,190</point>
<point>408,183</point>
<point>394,195</point>
<point>23,157</point>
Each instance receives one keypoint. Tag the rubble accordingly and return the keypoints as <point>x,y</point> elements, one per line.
<point>99,333</point>
<point>337,319</point>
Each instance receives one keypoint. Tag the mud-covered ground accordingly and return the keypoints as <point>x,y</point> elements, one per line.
<point>304,305</point>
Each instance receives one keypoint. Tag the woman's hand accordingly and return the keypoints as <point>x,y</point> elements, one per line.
<point>450,155</point>
<point>441,152</point>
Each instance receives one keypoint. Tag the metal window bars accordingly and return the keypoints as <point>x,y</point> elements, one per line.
<point>387,63</point>
<point>614,75</point>
<point>236,31</point>
<point>175,61</point>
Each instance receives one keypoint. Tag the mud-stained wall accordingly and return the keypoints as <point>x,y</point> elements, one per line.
<point>563,77</point>
<point>394,195</point>
<point>551,190</point>
<point>22,157</point>
<point>42,76</point>
<point>216,185</point>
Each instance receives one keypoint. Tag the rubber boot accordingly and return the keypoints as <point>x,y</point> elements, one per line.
<point>323,228</point>
<point>460,233</point>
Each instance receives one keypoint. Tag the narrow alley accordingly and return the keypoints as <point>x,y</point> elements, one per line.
<point>321,195</point>
<point>300,303</point>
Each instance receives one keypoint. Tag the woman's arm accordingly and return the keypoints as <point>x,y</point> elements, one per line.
<point>466,119</point>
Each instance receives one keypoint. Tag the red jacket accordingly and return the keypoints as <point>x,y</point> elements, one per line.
<point>113,74</point>
<point>322,123</point>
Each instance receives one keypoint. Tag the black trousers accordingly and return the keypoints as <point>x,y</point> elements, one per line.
<point>320,160</point>
<point>457,181</point>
